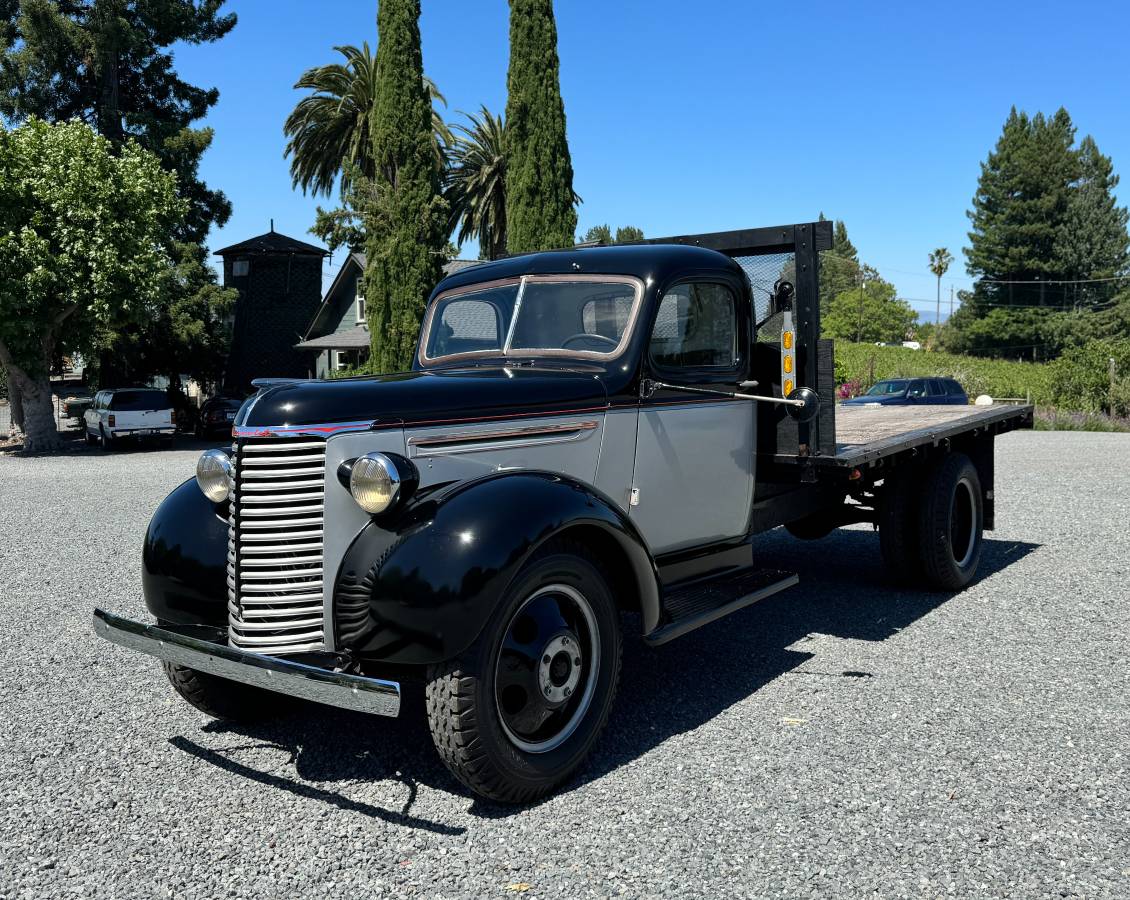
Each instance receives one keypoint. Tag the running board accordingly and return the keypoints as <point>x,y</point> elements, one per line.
<point>704,602</point>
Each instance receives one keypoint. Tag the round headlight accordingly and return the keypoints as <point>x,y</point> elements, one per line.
<point>374,482</point>
<point>213,474</point>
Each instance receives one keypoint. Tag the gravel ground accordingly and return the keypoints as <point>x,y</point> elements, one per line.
<point>842,738</point>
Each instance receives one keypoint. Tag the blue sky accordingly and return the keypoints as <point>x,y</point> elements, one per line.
<point>687,117</point>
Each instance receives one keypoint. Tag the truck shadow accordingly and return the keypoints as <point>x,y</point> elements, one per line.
<point>843,593</point>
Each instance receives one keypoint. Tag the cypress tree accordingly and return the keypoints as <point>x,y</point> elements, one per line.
<point>404,212</point>
<point>540,210</point>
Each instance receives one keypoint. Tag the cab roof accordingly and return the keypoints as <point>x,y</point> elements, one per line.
<point>654,262</point>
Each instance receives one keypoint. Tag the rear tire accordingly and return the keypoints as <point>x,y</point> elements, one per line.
<point>952,523</point>
<point>90,441</point>
<point>517,713</point>
<point>105,441</point>
<point>899,514</point>
<point>224,699</point>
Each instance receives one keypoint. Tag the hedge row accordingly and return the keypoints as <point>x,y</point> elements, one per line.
<point>866,363</point>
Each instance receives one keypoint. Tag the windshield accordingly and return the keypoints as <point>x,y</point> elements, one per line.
<point>137,401</point>
<point>565,315</point>
<point>886,389</point>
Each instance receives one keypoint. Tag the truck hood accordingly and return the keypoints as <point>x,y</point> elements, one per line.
<point>424,398</point>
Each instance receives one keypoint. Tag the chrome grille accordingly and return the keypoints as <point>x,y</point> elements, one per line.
<point>275,602</point>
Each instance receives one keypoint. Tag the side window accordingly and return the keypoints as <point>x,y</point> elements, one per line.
<point>359,303</point>
<point>466,326</point>
<point>935,388</point>
<point>696,327</point>
<point>917,388</point>
<point>952,387</point>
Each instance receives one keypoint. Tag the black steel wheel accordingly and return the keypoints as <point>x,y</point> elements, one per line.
<point>952,523</point>
<point>517,713</point>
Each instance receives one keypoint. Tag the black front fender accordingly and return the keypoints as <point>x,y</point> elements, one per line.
<point>184,562</point>
<point>421,588</point>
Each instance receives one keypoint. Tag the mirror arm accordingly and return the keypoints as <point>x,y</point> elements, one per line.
<point>649,387</point>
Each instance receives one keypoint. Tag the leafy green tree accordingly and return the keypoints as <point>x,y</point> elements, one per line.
<point>840,268</point>
<point>1018,211</point>
<point>329,132</point>
<point>940,260</point>
<point>476,183</point>
<point>603,234</point>
<point>186,333</point>
<point>540,204</point>
<point>109,63</point>
<point>405,213</point>
<point>872,314</point>
<point>83,249</point>
<point>1045,226</point>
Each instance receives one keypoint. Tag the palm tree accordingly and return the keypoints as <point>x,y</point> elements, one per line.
<point>328,131</point>
<point>940,260</point>
<point>476,183</point>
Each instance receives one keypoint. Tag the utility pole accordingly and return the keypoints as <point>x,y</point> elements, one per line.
<point>859,333</point>
<point>951,303</point>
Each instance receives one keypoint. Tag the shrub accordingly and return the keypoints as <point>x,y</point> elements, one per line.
<point>1080,379</point>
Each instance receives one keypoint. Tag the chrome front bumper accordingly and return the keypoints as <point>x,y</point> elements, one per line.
<point>356,692</point>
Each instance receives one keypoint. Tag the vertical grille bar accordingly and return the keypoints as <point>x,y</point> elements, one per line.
<point>275,546</point>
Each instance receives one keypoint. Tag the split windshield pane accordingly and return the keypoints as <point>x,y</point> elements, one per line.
<point>585,318</point>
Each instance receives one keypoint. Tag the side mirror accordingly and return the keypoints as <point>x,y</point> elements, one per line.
<point>810,404</point>
<point>782,297</point>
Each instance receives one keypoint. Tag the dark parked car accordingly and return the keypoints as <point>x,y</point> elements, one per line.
<point>912,391</point>
<point>217,415</point>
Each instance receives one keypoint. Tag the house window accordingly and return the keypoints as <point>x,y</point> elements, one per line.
<point>240,268</point>
<point>360,302</point>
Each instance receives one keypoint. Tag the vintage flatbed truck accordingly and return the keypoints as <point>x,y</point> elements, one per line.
<point>583,433</point>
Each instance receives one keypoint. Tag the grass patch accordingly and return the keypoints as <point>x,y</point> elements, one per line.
<point>1051,419</point>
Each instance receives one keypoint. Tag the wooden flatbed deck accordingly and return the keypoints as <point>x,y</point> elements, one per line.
<point>866,433</point>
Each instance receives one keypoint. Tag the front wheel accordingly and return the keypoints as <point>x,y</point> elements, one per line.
<point>517,713</point>
<point>221,698</point>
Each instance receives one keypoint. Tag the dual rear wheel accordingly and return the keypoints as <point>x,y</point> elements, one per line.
<point>931,521</point>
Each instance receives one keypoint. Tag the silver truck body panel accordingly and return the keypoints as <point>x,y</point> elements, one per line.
<point>680,500</point>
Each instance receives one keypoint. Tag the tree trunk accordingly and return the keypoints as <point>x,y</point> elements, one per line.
<point>15,411</point>
<point>37,412</point>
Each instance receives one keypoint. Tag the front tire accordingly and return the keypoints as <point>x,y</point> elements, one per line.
<point>518,712</point>
<point>221,698</point>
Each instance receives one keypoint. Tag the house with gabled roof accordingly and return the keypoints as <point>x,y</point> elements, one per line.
<point>337,337</point>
